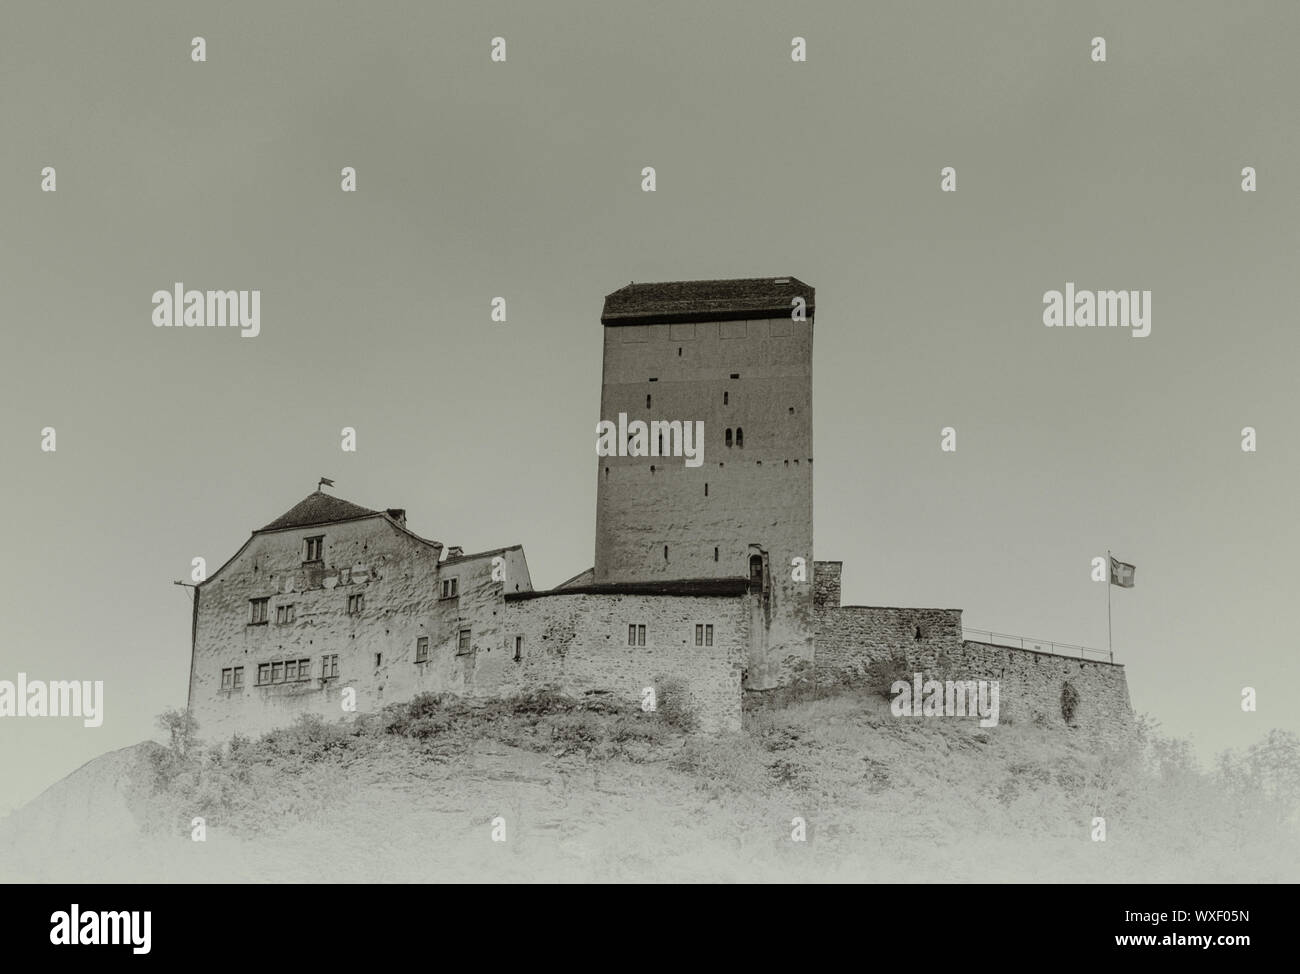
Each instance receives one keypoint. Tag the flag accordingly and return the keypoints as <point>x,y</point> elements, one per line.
<point>324,482</point>
<point>1121,574</point>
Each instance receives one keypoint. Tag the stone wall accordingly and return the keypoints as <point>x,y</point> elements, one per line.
<point>855,645</point>
<point>579,642</point>
<point>826,583</point>
<point>850,637</point>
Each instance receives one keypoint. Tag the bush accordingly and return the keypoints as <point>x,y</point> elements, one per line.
<point>880,674</point>
<point>672,704</point>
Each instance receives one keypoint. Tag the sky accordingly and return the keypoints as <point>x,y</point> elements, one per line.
<point>522,179</point>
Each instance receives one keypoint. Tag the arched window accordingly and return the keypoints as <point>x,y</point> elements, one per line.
<point>728,437</point>
<point>740,437</point>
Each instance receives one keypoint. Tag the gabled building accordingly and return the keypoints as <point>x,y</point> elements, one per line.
<point>331,595</point>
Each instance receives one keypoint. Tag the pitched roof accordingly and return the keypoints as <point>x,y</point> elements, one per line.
<point>702,587</point>
<point>731,300</point>
<point>318,508</point>
<point>482,554</point>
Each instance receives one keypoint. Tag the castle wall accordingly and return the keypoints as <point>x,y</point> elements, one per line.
<point>855,642</point>
<point>579,642</point>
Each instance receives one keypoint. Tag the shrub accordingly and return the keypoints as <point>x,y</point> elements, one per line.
<point>881,673</point>
<point>672,704</point>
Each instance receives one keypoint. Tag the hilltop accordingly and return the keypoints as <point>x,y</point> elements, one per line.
<point>590,791</point>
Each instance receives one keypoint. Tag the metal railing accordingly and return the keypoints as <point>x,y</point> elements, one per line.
<point>1038,645</point>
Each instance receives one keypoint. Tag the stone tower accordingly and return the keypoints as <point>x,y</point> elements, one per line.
<point>737,356</point>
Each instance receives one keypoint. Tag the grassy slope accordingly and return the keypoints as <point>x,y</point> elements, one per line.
<point>605,796</point>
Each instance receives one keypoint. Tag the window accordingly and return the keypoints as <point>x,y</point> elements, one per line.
<point>715,554</point>
<point>706,488</point>
<point>665,552</point>
<point>703,634</point>
<point>345,576</point>
<point>450,588</point>
<point>239,678</point>
<point>519,647</point>
<point>284,614</point>
<point>422,649</point>
<point>635,635</point>
<point>728,437</point>
<point>735,375</point>
<point>278,671</point>
<point>314,548</point>
<point>725,397</point>
<point>329,666</point>
<point>259,611</point>
<point>740,437</point>
<point>647,401</point>
<point>232,678</point>
<point>379,659</point>
<point>462,643</point>
<point>356,603</point>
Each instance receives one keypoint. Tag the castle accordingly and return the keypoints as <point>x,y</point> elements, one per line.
<point>703,576</point>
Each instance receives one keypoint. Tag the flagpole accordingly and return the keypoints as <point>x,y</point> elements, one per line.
<point>1110,648</point>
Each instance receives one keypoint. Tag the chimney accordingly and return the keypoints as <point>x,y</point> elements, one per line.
<point>455,551</point>
<point>398,514</point>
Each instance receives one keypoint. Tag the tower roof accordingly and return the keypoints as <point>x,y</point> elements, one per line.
<point>318,508</point>
<point>730,300</point>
